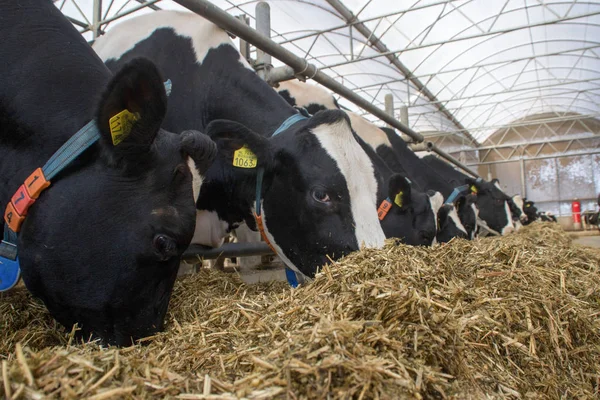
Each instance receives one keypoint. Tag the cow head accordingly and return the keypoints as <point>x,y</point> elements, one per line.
<point>412,215</point>
<point>468,213</point>
<point>492,204</point>
<point>101,246</point>
<point>449,223</point>
<point>516,208</point>
<point>530,210</point>
<point>318,192</point>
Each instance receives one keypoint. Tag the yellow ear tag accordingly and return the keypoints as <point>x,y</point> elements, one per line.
<point>473,189</point>
<point>398,199</point>
<point>244,158</point>
<point>121,124</point>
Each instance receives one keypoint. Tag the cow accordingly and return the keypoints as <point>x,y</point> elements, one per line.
<point>416,222</point>
<point>530,211</point>
<point>492,203</point>
<point>305,182</point>
<point>101,245</point>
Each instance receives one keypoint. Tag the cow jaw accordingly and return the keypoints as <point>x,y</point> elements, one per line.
<point>337,140</point>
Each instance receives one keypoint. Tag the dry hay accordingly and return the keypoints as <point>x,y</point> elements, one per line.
<point>511,317</point>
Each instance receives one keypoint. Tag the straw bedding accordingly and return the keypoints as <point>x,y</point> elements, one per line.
<point>510,317</point>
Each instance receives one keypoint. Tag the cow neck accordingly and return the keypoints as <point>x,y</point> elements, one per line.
<point>28,193</point>
<point>289,270</point>
<point>262,110</point>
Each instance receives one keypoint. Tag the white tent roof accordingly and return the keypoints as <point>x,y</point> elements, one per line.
<point>485,63</point>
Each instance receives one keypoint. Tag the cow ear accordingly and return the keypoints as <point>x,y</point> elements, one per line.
<point>494,181</point>
<point>399,191</point>
<point>132,108</point>
<point>239,145</point>
<point>473,184</point>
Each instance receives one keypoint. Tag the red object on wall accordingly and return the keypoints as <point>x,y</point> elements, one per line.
<point>576,210</point>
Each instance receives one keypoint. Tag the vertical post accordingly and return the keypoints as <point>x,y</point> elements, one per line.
<point>245,46</point>
<point>263,26</point>
<point>404,115</point>
<point>389,106</point>
<point>96,18</point>
<point>523,185</point>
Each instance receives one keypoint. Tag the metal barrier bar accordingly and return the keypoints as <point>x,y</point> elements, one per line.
<point>196,251</point>
<point>300,65</point>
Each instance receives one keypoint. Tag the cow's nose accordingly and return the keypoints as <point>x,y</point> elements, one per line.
<point>507,230</point>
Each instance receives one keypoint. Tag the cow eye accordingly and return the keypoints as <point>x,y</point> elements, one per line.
<point>164,246</point>
<point>320,195</point>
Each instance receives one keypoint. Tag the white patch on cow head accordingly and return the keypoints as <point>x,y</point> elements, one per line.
<point>306,94</point>
<point>453,214</point>
<point>476,212</point>
<point>210,230</point>
<point>368,131</point>
<point>509,225</point>
<point>197,179</point>
<point>124,36</point>
<point>436,201</point>
<point>518,200</point>
<point>356,167</point>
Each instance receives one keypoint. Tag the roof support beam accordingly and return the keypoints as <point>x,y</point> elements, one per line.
<point>382,48</point>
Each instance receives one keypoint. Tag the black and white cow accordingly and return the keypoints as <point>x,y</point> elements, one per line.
<point>530,210</point>
<point>415,221</point>
<point>101,245</point>
<point>319,191</point>
<point>450,222</point>
<point>492,203</point>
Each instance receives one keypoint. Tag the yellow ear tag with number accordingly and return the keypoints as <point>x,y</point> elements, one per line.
<point>121,124</point>
<point>244,158</point>
<point>473,189</point>
<point>398,199</point>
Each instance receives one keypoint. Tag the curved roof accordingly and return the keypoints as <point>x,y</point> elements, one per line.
<point>464,67</point>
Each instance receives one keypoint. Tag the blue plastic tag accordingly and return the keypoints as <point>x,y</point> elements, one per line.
<point>10,273</point>
<point>291,277</point>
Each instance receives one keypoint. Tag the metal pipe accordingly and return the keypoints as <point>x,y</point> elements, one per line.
<point>393,59</point>
<point>404,115</point>
<point>124,13</point>
<point>196,251</point>
<point>586,153</point>
<point>263,26</point>
<point>523,178</point>
<point>96,17</point>
<point>300,65</point>
<point>453,160</point>
<point>425,146</point>
<point>280,74</point>
<point>389,104</point>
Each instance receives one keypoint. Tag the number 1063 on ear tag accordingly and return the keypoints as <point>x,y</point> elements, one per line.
<point>244,158</point>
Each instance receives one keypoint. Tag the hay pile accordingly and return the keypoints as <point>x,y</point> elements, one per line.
<point>511,317</point>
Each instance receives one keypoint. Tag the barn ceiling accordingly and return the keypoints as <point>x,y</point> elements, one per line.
<point>466,69</point>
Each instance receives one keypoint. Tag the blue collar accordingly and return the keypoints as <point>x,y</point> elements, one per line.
<point>457,191</point>
<point>289,273</point>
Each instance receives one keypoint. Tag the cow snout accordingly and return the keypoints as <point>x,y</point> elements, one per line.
<point>507,230</point>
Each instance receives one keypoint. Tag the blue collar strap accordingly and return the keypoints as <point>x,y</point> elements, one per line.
<point>288,123</point>
<point>289,273</point>
<point>455,193</point>
<point>27,194</point>
<point>461,189</point>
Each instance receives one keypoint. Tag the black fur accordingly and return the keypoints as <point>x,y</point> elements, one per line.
<point>92,247</point>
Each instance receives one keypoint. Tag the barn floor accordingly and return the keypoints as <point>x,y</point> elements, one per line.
<point>591,241</point>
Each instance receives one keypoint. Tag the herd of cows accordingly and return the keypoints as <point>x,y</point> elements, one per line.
<point>223,151</point>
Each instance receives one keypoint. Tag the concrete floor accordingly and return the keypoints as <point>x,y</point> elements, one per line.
<point>591,241</point>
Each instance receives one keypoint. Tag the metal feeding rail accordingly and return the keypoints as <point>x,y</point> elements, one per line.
<point>296,67</point>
